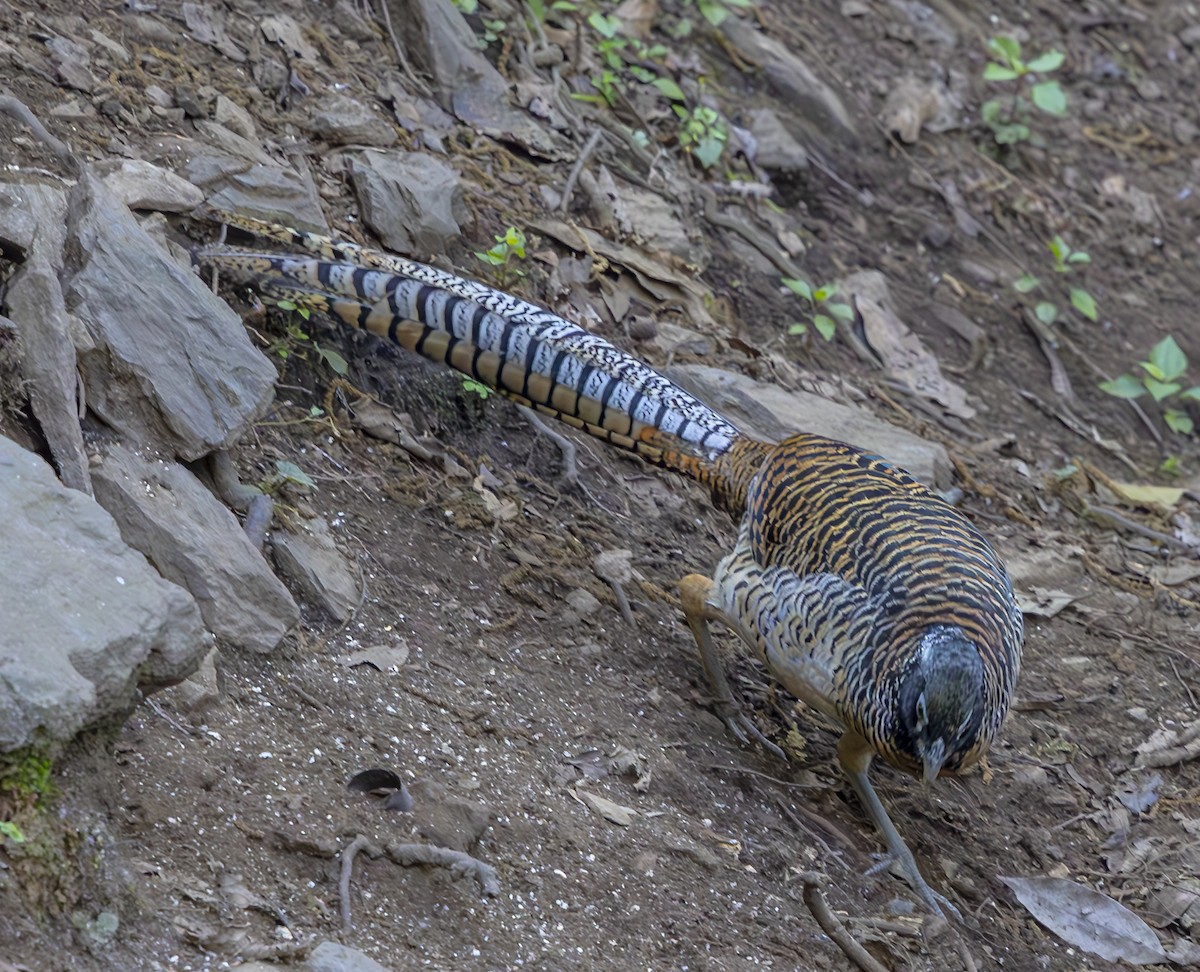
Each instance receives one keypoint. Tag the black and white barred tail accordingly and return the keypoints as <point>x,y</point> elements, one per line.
<point>524,352</point>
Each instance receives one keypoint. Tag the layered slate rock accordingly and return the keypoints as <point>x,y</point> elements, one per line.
<point>171,363</point>
<point>189,535</point>
<point>87,621</point>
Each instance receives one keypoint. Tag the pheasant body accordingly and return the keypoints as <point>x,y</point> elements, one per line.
<point>865,594</point>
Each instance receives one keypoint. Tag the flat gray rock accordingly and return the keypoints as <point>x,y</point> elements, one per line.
<point>86,618</point>
<point>142,185</point>
<point>774,413</point>
<point>172,366</point>
<point>332,957</point>
<point>168,514</point>
<point>411,200</point>
<point>309,557</point>
<point>33,218</point>
<point>342,120</point>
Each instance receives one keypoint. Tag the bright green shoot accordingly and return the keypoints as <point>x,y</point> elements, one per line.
<point>1066,260</point>
<point>475,387</point>
<point>823,312</point>
<point>508,245</point>
<point>1162,377</point>
<point>1008,121</point>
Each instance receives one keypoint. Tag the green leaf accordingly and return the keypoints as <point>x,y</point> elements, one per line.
<point>287,305</point>
<point>667,87</point>
<point>1169,358</point>
<point>1025,283</point>
<point>826,326</point>
<point>744,4</point>
<point>1011,134</point>
<point>824,293</point>
<point>1046,312</point>
<point>1127,386</point>
<point>1007,49</point>
<point>1078,256</point>
<point>1050,97</point>
<point>797,328</point>
<point>998,72</point>
<point>709,150</point>
<point>1178,421</point>
<point>292,473</point>
<point>1050,61</point>
<point>1160,389</point>
<point>843,312</point>
<point>605,26</point>
<point>1084,302</point>
<point>1153,370</point>
<point>712,11</point>
<point>1191,395</point>
<point>801,288</point>
<point>12,831</point>
<point>990,112</point>
<point>1058,246</point>
<point>333,359</point>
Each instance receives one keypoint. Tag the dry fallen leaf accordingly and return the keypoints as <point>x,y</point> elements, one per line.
<point>610,811</point>
<point>1088,919</point>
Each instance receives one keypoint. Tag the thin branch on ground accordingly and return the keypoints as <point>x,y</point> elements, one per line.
<point>360,843</point>
<point>457,862</point>
<point>569,187</point>
<point>832,927</point>
<point>18,110</point>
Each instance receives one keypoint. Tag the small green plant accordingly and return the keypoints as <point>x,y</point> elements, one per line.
<point>823,312</point>
<point>510,244</point>
<point>296,337</point>
<point>492,29</point>
<point>1162,377</point>
<point>1008,118</point>
<point>1066,260</point>
<point>714,11</point>
<point>702,133</point>
<point>10,831</point>
<point>472,386</point>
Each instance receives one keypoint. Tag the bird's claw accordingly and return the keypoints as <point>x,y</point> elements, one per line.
<point>743,729</point>
<point>938,903</point>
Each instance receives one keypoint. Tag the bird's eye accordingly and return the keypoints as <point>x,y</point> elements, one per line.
<point>922,715</point>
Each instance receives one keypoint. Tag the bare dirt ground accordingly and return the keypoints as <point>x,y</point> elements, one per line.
<point>213,836</point>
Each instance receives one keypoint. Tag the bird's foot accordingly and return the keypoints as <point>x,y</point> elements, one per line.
<point>743,729</point>
<point>938,903</point>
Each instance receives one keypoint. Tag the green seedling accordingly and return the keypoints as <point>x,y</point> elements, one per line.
<point>474,387</point>
<point>1008,118</point>
<point>1162,377</point>
<point>701,133</point>
<point>1066,260</point>
<point>823,312</point>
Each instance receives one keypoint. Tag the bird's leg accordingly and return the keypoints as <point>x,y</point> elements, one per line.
<point>855,754</point>
<point>694,592</point>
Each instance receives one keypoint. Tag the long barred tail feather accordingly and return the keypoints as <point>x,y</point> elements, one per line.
<point>524,352</point>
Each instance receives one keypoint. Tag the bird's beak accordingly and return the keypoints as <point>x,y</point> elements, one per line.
<point>934,757</point>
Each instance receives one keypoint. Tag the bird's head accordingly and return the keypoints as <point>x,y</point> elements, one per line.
<point>942,701</point>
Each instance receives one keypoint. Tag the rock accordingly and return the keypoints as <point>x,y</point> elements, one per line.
<point>167,513</point>
<point>86,619</point>
<point>171,363</point>
<point>33,219</point>
<point>773,413</point>
<point>580,604</point>
<point>143,185</point>
<point>311,559</point>
<point>202,689</point>
<point>775,147</point>
<point>443,45</point>
<point>72,62</point>
<point>332,957</point>
<point>233,116</point>
<point>263,189</point>
<point>444,820</point>
<point>818,108</point>
<point>411,200</point>
<point>345,121</point>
